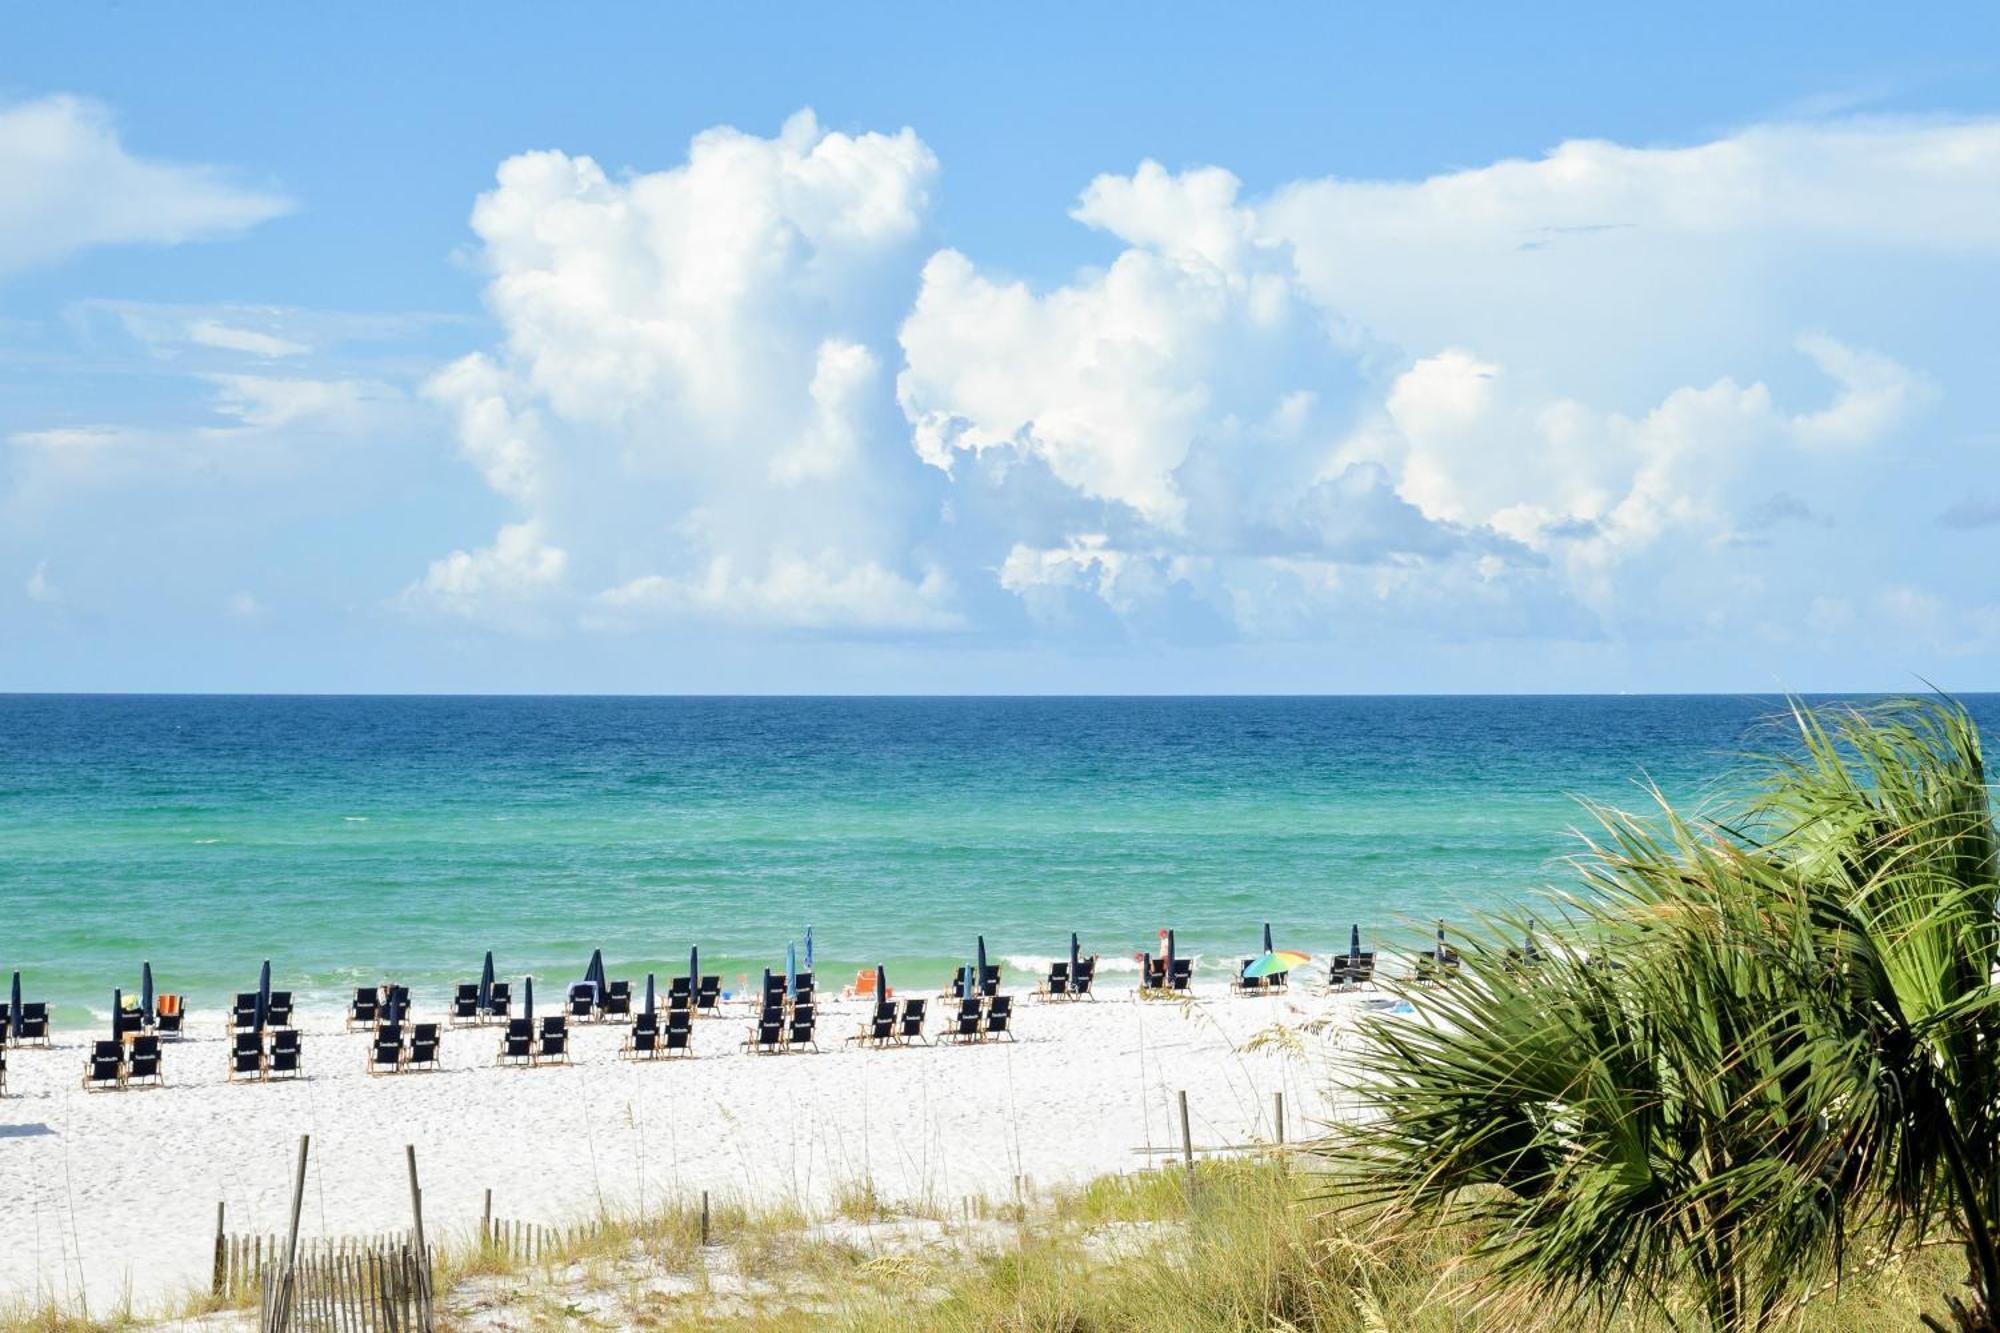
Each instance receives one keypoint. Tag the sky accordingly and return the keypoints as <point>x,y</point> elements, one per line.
<point>999,349</point>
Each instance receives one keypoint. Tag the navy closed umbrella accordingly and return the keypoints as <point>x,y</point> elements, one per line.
<point>14,1011</point>
<point>809,948</point>
<point>649,995</point>
<point>528,998</point>
<point>117,1008</point>
<point>146,989</point>
<point>263,994</point>
<point>1354,943</point>
<point>1075,958</point>
<point>694,972</point>
<point>881,984</point>
<point>1441,950</point>
<point>1170,956</point>
<point>594,975</point>
<point>979,977</point>
<point>486,983</point>
<point>1267,938</point>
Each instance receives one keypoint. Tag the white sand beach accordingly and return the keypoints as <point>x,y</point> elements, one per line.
<point>110,1196</point>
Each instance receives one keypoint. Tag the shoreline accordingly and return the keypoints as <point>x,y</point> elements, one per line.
<point>115,1193</point>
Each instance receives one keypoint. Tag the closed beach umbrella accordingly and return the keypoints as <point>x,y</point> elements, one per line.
<point>1074,956</point>
<point>14,1011</point>
<point>486,983</point>
<point>979,977</point>
<point>146,988</point>
<point>1267,937</point>
<point>528,998</point>
<point>1441,949</point>
<point>594,974</point>
<point>1170,955</point>
<point>809,948</point>
<point>881,983</point>
<point>764,996</point>
<point>117,1008</point>
<point>263,994</point>
<point>1354,943</point>
<point>649,995</point>
<point>694,973</point>
<point>791,971</point>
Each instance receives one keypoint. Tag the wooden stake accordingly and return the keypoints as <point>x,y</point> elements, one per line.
<point>1278,1116</point>
<point>1187,1141</point>
<point>704,1219</point>
<point>486,1222</point>
<point>221,1253</point>
<point>416,1198</point>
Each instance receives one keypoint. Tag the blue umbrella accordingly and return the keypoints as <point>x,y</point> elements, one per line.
<point>1267,937</point>
<point>809,948</point>
<point>528,998</point>
<point>979,977</point>
<point>649,995</point>
<point>117,1008</point>
<point>1075,958</point>
<point>1442,952</point>
<point>263,994</point>
<point>791,971</point>
<point>1354,943</point>
<point>146,989</point>
<point>486,984</point>
<point>594,976</point>
<point>881,984</point>
<point>14,1012</point>
<point>694,973</point>
<point>1170,957</point>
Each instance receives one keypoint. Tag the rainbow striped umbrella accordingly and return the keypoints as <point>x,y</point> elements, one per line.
<point>1277,962</point>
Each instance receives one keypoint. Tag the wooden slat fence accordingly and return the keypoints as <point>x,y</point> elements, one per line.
<point>385,1289</point>
<point>241,1260</point>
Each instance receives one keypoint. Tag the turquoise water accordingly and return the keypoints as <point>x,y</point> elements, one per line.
<point>352,839</point>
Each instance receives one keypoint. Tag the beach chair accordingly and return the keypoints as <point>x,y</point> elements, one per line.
<point>911,1028</point>
<point>680,994</point>
<point>1180,976</point>
<point>618,999</point>
<point>287,1056</point>
<point>464,1004</point>
<point>1056,987</point>
<point>105,1069</point>
<point>366,1009</point>
<point>278,1013</point>
<point>1152,975</point>
<point>6,1028</point>
<point>643,1042</point>
<point>3,1063</point>
<point>767,1034</point>
<point>143,1064</point>
<point>246,1056</point>
<point>999,1014</point>
<point>554,1045</point>
<point>385,1053</point>
<point>243,1013</point>
<point>127,1022</point>
<point>965,1023</point>
<point>774,990</point>
<point>425,1041</point>
<point>800,1027</point>
<point>880,1027</point>
<point>1248,985</point>
<point>680,1032</point>
<point>989,981</point>
<point>168,1014</point>
<point>1086,973</point>
<point>1434,965</point>
<point>1355,970</point>
<point>396,1000</point>
<point>802,988</point>
<point>499,1001</point>
<point>34,1022</point>
<point>707,994</point>
<point>517,1044</point>
<point>583,1002</point>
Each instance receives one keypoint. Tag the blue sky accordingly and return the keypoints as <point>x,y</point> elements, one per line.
<point>1011,349</point>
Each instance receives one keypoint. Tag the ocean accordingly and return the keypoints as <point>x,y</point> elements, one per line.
<point>352,840</point>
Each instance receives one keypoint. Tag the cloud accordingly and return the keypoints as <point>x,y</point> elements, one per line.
<point>229,338</point>
<point>687,399</point>
<point>38,586</point>
<point>1970,514</point>
<point>72,185</point>
<point>506,583</point>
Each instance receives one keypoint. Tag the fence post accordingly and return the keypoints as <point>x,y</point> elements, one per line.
<point>704,1219</point>
<point>486,1222</point>
<point>1187,1143</point>
<point>221,1254</point>
<point>1278,1120</point>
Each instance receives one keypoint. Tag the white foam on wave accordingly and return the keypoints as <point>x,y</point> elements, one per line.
<point>355,819</point>
<point>1040,965</point>
<point>203,842</point>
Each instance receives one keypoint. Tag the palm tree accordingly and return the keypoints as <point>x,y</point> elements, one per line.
<point>1752,1056</point>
